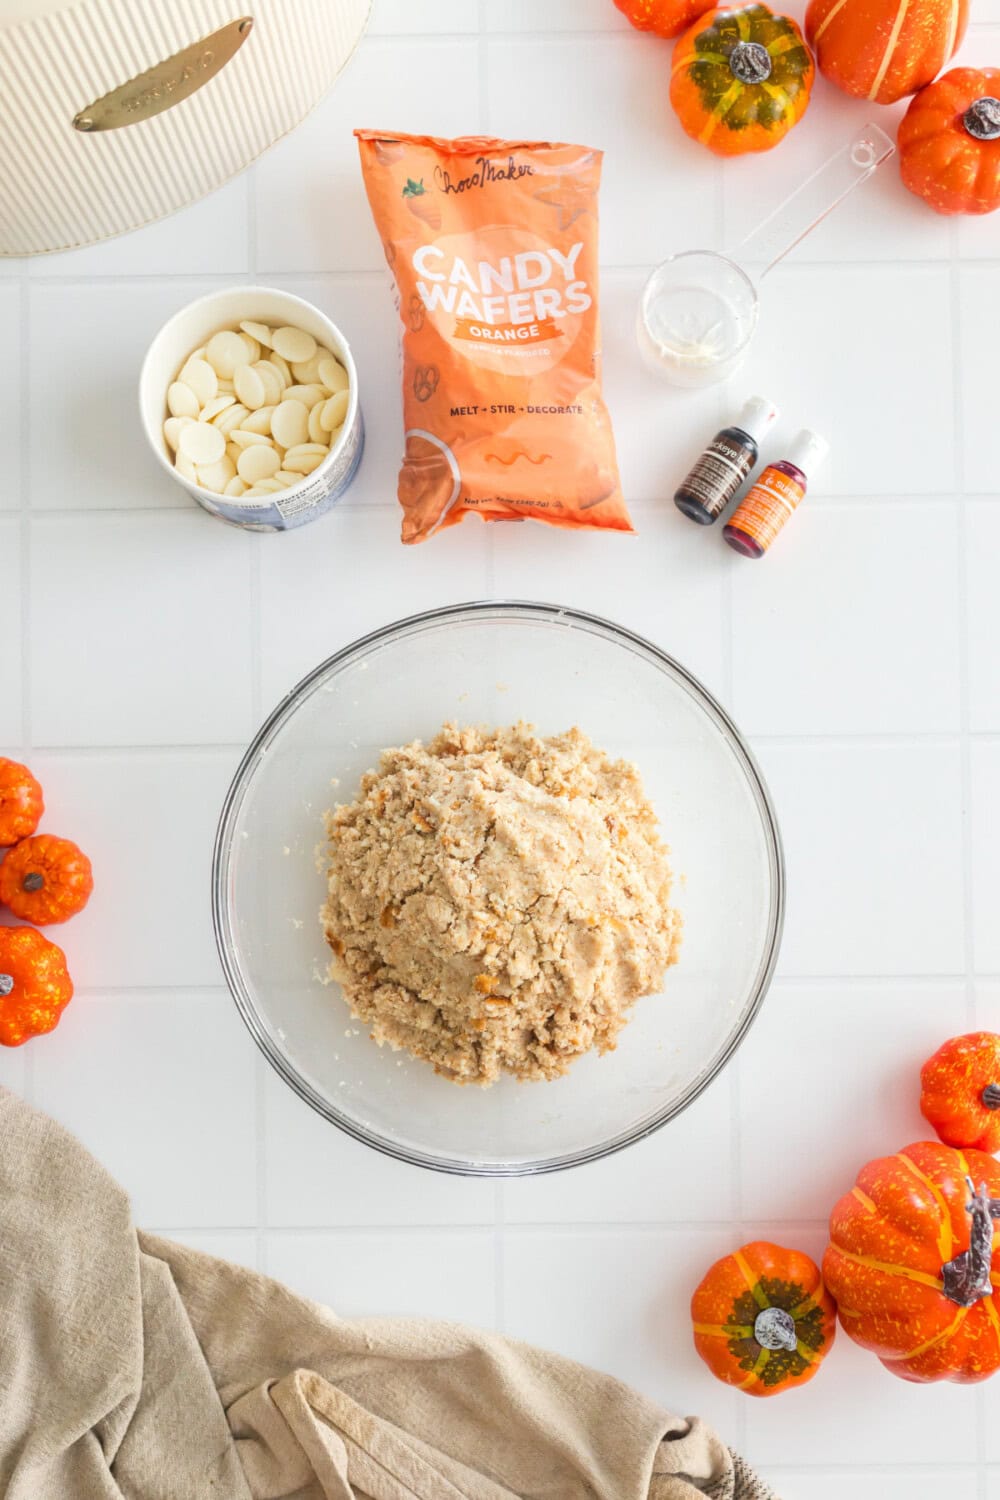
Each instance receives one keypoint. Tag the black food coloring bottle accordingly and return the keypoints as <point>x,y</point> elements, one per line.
<point>725,463</point>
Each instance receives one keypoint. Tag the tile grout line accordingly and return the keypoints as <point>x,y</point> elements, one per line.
<point>964,697</point>
<point>917,1469</point>
<point>499,1197</point>
<point>740,1431</point>
<point>256,698</point>
<point>911,740</point>
<point>526,1229</point>
<point>214,989</point>
<point>964,623</point>
<point>728,623</point>
<point>508,34</point>
<point>869,981</point>
<point>637,270</point>
<point>24,476</point>
<point>848,499</point>
<point>483,64</point>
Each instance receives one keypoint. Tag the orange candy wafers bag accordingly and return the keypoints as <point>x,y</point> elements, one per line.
<point>493,245</point>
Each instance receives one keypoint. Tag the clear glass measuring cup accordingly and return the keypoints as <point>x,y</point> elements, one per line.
<point>699,309</point>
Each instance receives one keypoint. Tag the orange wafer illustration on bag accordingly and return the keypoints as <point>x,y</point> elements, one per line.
<point>493,246</point>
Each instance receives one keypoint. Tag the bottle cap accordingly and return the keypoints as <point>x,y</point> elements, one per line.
<point>806,451</point>
<point>756,416</point>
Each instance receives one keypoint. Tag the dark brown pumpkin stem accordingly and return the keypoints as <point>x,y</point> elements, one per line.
<point>991,1096</point>
<point>774,1328</point>
<point>6,984</point>
<point>967,1277</point>
<point>982,118</point>
<point>750,62</point>
<point>33,882</point>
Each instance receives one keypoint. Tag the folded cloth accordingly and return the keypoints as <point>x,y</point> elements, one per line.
<point>132,1368</point>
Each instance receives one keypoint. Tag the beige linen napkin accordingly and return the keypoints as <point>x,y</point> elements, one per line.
<point>134,1369</point>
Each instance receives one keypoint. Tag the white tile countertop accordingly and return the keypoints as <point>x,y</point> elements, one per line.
<point>144,642</point>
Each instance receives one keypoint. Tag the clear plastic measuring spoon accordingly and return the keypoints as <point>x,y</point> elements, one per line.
<point>698,311</point>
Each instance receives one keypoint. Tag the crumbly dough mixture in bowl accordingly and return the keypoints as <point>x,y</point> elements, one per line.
<point>498,901</point>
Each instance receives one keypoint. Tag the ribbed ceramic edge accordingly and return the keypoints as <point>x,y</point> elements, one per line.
<point>63,188</point>
<point>410,625</point>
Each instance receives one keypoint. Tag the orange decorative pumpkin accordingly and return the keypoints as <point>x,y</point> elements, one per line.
<point>910,1262</point>
<point>45,879</point>
<point>883,50</point>
<point>35,987</point>
<point>960,1091</point>
<point>21,804</point>
<point>663,17</point>
<point>763,1320</point>
<point>949,142</point>
<point>741,79</point>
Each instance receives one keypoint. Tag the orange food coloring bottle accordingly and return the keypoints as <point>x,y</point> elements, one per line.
<point>774,497</point>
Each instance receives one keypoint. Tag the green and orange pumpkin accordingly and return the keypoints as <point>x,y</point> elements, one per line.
<point>763,1320</point>
<point>741,79</point>
<point>912,1263</point>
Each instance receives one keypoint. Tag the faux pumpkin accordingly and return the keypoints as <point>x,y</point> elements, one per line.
<point>663,17</point>
<point>35,987</point>
<point>763,1320</point>
<point>883,50</point>
<point>45,879</point>
<point>21,803</point>
<point>960,1091</point>
<point>741,79</point>
<point>910,1259</point>
<point>949,142</point>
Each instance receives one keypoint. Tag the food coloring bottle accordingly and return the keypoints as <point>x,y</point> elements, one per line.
<point>725,463</point>
<point>766,507</point>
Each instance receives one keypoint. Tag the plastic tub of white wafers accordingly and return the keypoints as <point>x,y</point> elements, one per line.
<point>285,504</point>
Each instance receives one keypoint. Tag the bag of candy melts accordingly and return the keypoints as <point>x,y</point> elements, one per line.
<point>493,245</point>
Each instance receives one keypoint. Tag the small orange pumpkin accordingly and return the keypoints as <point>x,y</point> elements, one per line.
<point>883,50</point>
<point>741,79</point>
<point>35,987</point>
<point>763,1320</point>
<point>21,802</point>
<point>960,1091</point>
<point>45,879</point>
<point>663,17</point>
<point>949,142</point>
<point>911,1258</point>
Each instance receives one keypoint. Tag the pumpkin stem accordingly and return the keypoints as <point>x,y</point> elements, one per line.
<point>774,1328</point>
<point>750,62</point>
<point>33,882</point>
<point>991,1096</point>
<point>6,984</point>
<point>967,1277</point>
<point>982,118</point>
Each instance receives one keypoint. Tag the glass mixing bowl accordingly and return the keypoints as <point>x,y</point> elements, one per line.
<point>495,663</point>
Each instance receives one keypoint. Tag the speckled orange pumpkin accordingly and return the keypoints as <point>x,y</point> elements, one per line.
<point>21,801</point>
<point>763,1320</point>
<point>911,1262</point>
<point>663,17</point>
<point>44,879</point>
<point>883,50</point>
<point>949,142</point>
<point>35,987</point>
<point>960,1091</point>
